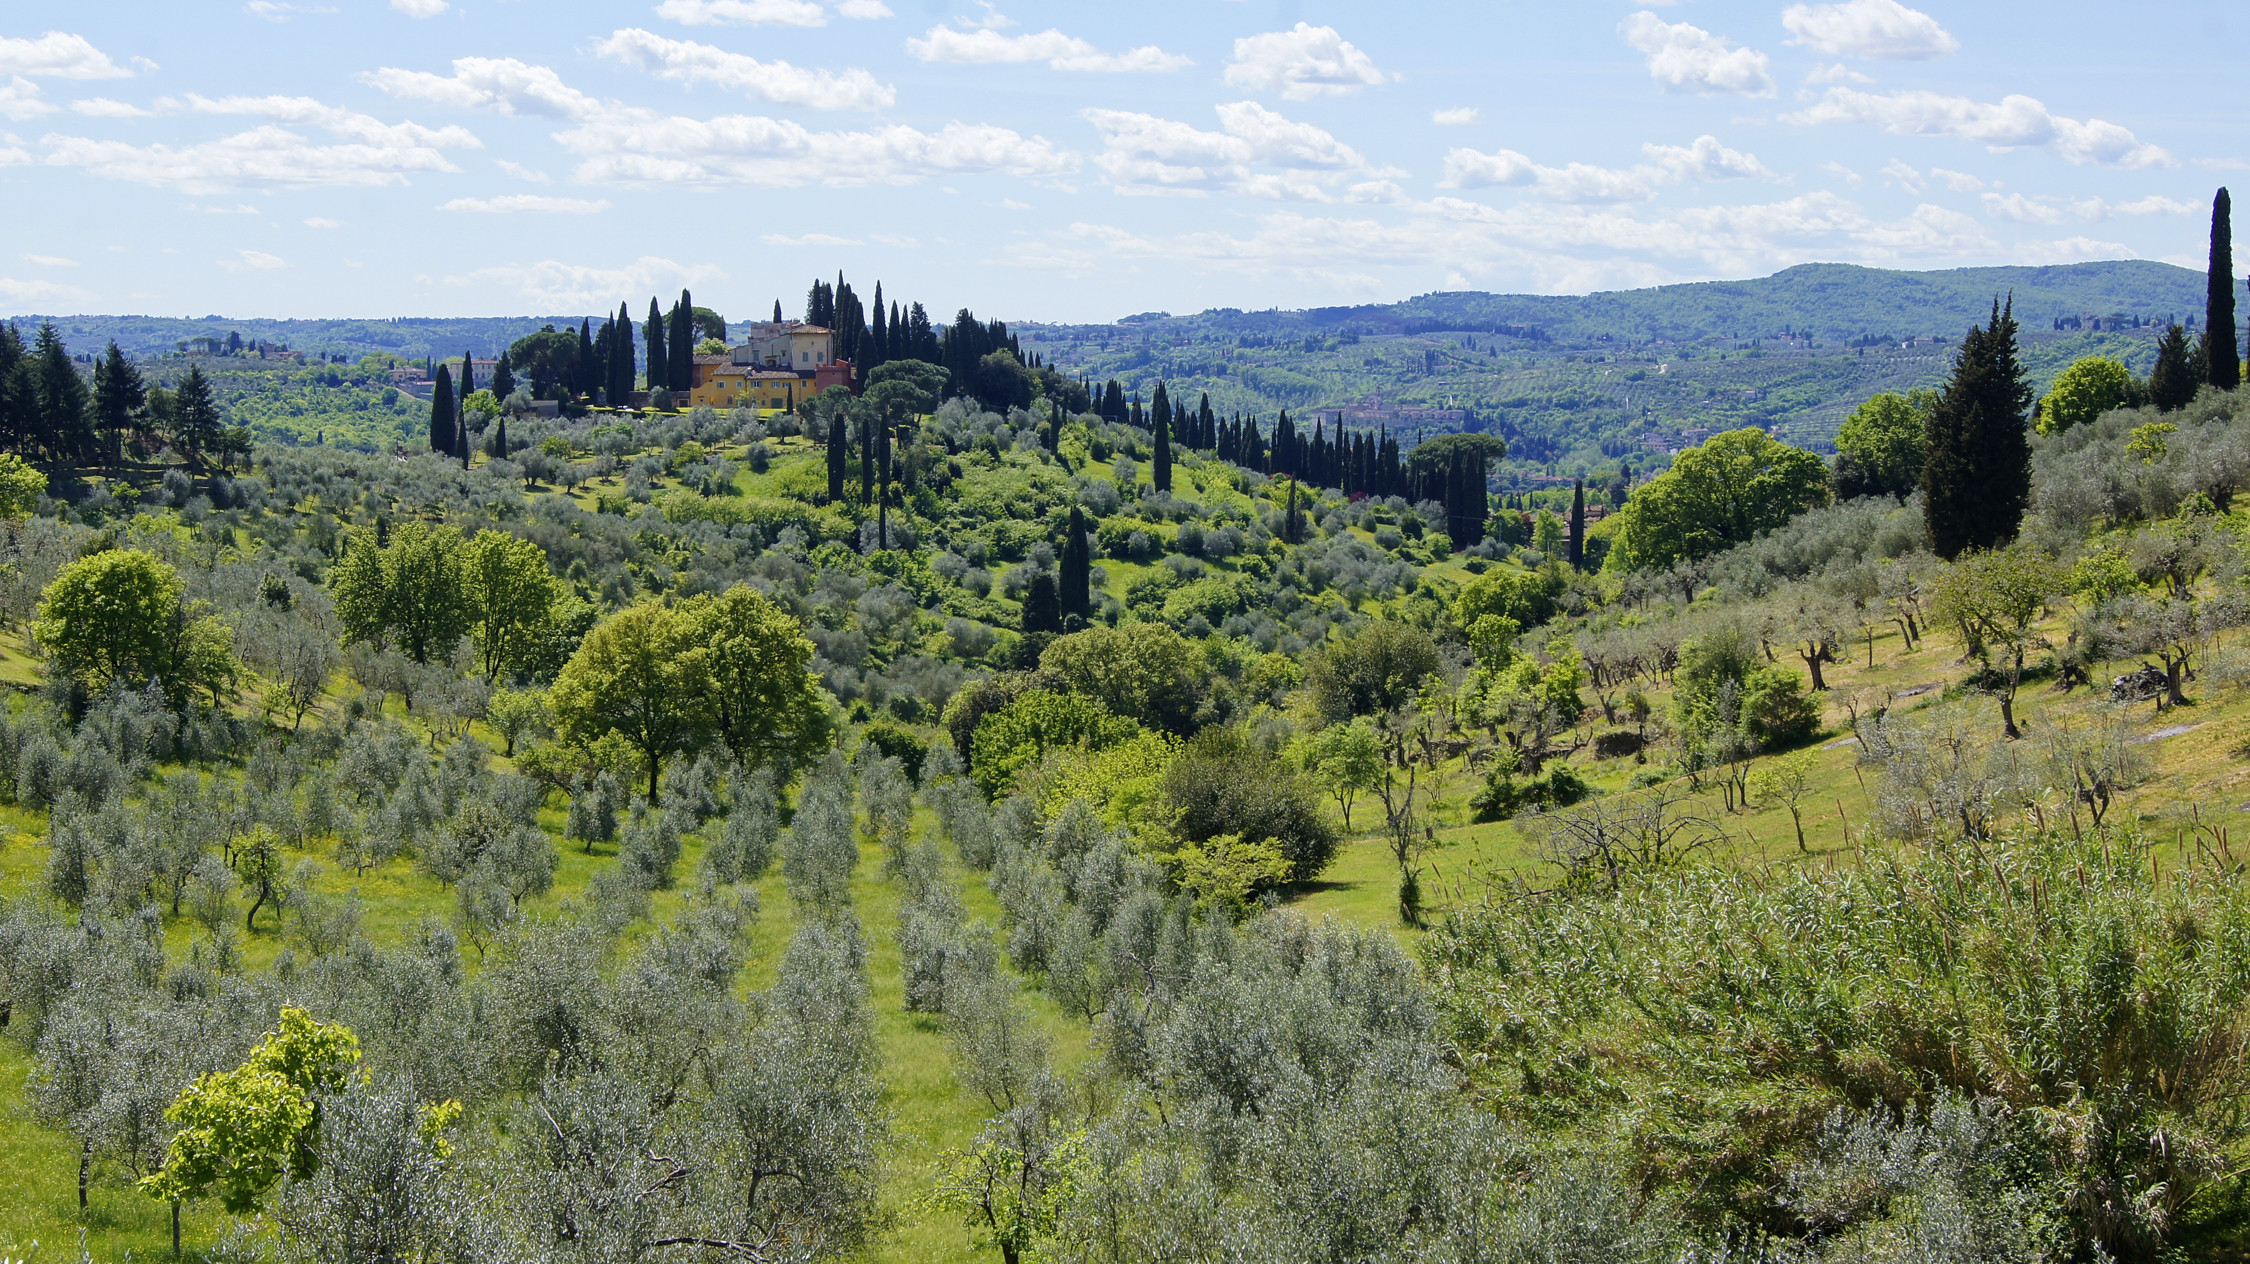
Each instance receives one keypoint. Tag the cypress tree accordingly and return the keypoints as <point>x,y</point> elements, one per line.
<point>1976,479</point>
<point>119,396</point>
<point>1578,525</point>
<point>1291,530</point>
<point>503,379</point>
<point>1160,465</point>
<point>2222,366</point>
<point>441,412</point>
<point>1042,605</point>
<point>1077,594</point>
<point>878,337</point>
<point>621,358</point>
<point>659,354</point>
<point>1205,424</point>
<point>839,456</point>
<point>867,469</point>
<point>498,447</point>
<point>586,375</point>
<point>2172,381</point>
<point>682,374</point>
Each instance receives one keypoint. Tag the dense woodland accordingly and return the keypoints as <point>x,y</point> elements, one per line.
<point>992,813</point>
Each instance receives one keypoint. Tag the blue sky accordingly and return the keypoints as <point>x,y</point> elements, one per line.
<point>1074,161</point>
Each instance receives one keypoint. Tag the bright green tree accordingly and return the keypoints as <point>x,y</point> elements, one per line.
<point>1347,761</point>
<point>1014,737</point>
<point>21,486</point>
<point>641,674</point>
<point>1717,494</point>
<point>412,591</point>
<point>118,616</point>
<point>1144,671</point>
<point>1993,600</point>
<point>509,594</point>
<point>241,1131</point>
<point>2087,389</point>
<point>1879,448</point>
<point>766,703</point>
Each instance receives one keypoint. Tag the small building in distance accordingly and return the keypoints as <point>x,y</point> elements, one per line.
<point>781,364</point>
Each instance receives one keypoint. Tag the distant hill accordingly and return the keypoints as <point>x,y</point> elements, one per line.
<point>1834,301</point>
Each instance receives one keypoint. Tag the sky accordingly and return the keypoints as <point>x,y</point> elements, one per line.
<point>1078,161</point>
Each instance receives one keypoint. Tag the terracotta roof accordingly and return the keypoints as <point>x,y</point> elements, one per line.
<point>715,359</point>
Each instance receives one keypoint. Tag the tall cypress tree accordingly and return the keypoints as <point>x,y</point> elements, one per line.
<point>1042,605</point>
<point>1160,465</point>
<point>777,312</point>
<point>879,335</point>
<point>1578,525</point>
<point>1976,478</point>
<point>587,374</point>
<point>867,471</point>
<point>682,374</point>
<point>621,358</point>
<point>659,355</point>
<point>441,413</point>
<point>503,379</point>
<point>839,456</point>
<point>2222,366</point>
<point>1077,588</point>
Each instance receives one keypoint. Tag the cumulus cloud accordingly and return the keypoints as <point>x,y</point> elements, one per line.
<point>1687,58</point>
<point>523,203</point>
<point>776,81</point>
<point>50,261</point>
<point>631,145</point>
<point>987,46</point>
<point>19,295</point>
<point>517,171</point>
<point>1841,172</point>
<point>1302,63</point>
<point>497,83</point>
<point>1256,152</point>
<point>368,151</point>
<point>420,8</point>
<point>552,285</point>
<point>2020,209</point>
<point>1904,176</point>
<point>253,261</point>
<point>58,55</point>
<point>765,12</point>
<point>103,107</point>
<point>1705,160</point>
<point>2015,122</point>
<point>1958,181</point>
<point>1880,29</point>
<point>1461,117</point>
<point>20,99</point>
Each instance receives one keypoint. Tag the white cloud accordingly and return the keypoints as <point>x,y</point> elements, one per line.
<point>748,13</point>
<point>807,239</point>
<point>19,99</point>
<point>896,240</point>
<point>1705,160</point>
<point>2096,209</point>
<point>863,10</point>
<point>1539,246</point>
<point>1256,152</point>
<point>420,8</point>
<point>1842,172</point>
<point>554,286</point>
<point>776,81</point>
<point>13,155</point>
<point>640,147</point>
<point>58,55</point>
<point>22,295</point>
<point>517,171</point>
<point>519,203</point>
<point>371,151</point>
<point>2020,209</point>
<point>1838,72</point>
<point>1687,58</point>
<point>103,107</point>
<point>499,83</point>
<point>322,221</point>
<point>2074,250</point>
<point>1301,63</point>
<point>1904,176</point>
<point>50,261</point>
<point>630,145</point>
<point>253,261</point>
<point>2015,122</point>
<point>1461,117</point>
<point>1958,181</point>
<point>987,46</point>
<point>1881,29</point>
